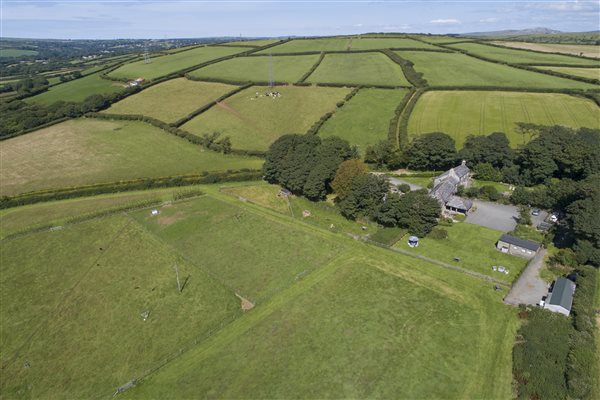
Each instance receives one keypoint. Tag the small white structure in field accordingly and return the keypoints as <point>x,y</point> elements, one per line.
<point>413,241</point>
<point>306,213</point>
<point>155,212</point>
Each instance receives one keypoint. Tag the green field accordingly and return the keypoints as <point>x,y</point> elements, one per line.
<point>256,69</point>
<point>255,122</point>
<point>591,73</point>
<point>11,53</point>
<point>444,69</point>
<point>164,65</point>
<point>575,49</point>
<point>359,69</point>
<point>364,120</point>
<point>441,39</point>
<point>344,44</point>
<point>87,151</point>
<point>171,100</point>
<point>462,239</point>
<point>463,113</point>
<point>520,56</point>
<point>77,90</point>
<point>256,43</point>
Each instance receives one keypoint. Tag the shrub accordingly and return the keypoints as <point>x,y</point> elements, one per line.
<point>438,234</point>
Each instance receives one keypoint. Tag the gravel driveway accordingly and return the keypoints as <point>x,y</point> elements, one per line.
<point>398,181</point>
<point>529,288</point>
<point>493,215</point>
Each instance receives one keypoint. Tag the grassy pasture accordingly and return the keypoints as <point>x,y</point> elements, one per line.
<point>255,43</point>
<point>474,245</point>
<point>520,56</point>
<point>371,326</point>
<point>591,73</point>
<point>87,151</point>
<point>344,44</point>
<point>77,90</point>
<point>574,49</point>
<point>463,113</point>
<point>11,53</point>
<point>72,308</point>
<point>359,69</point>
<point>256,69</point>
<point>254,256</point>
<point>164,65</point>
<point>255,122</point>
<point>364,120</point>
<point>171,100</point>
<point>441,39</point>
<point>447,69</point>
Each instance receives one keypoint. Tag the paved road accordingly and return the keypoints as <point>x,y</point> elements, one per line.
<point>493,215</point>
<point>529,288</point>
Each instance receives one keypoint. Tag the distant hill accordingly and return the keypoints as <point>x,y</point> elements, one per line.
<point>513,32</point>
<point>541,35</point>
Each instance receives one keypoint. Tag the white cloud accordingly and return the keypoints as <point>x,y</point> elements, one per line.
<point>488,20</point>
<point>449,21</point>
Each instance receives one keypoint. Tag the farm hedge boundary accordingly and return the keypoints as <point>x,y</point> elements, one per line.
<point>414,77</point>
<point>393,128</point>
<point>312,69</point>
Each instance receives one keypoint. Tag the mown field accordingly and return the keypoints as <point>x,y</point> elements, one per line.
<point>344,44</point>
<point>88,151</point>
<point>463,113</point>
<point>520,56</point>
<point>72,312</point>
<point>359,69</point>
<point>591,73</point>
<point>10,53</point>
<point>255,122</point>
<point>447,69</point>
<point>575,49</point>
<point>77,90</point>
<point>164,65</point>
<point>364,120</point>
<point>256,69</point>
<point>171,100</point>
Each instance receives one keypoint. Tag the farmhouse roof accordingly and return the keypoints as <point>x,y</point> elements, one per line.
<point>562,293</point>
<point>462,169</point>
<point>444,191</point>
<point>459,203</point>
<point>515,241</point>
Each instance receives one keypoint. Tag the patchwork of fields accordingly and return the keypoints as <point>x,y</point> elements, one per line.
<point>345,44</point>
<point>574,49</point>
<point>77,90</point>
<point>463,113</point>
<point>164,65</point>
<point>254,121</point>
<point>359,69</point>
<point>87,151</point>
<point>171,100</point>
<point>256,69</point>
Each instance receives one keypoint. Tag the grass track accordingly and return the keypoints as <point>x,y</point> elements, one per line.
<point>87,151</point>
<point>255,124</point>
<point>453,69</point>
<point>77,90</point>
<point>364,120</point>
<point>463,113</point>
<point>171,100</point>
<point>256,69</point>
<point>164,65</point>
<point>359,69</point>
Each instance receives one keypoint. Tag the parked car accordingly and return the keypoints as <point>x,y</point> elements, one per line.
<point>535,212</point>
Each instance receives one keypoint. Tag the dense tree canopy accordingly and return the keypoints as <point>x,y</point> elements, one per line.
<point>345,174</point>
<point>365,197</point>
<point>416,211</point>
<point>493,149</point>
<point>432,151</point>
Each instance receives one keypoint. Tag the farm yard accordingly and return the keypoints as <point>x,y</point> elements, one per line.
<point>463,113</point>
<point>254,121</point>
<point>87,151</point>
<point>359,69</point>
<point>171,100</point>
<point>164,65</point>
<point>256,69</point>
<point>364,120</point>
<point>573,49</point>
<point>77,90</point>
<point>590,73</point>
<point>452,69</point>
<point>519,56</point>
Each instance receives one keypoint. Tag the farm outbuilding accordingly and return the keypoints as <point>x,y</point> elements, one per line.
<point>517,246</point>
<point>560,299</point>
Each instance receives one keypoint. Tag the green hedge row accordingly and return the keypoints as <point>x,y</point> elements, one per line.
<point>408,109</point>
<point>312,69</point>
<point>393,128</point>
<point>135,184</point>
<point>47,124</point>
<point>414,77</point>
<point>314,129</point>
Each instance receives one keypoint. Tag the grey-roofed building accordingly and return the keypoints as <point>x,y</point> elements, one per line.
<point>517,246</point>
<point>446,185</point>
<point>458,204</point>
<point>560,299</point>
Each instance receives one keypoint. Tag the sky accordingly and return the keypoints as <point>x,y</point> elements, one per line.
<point>110,19</point>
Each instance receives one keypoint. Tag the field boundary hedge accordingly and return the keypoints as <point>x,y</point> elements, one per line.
<point>393,127</point>
<point>314,129</point>
<point>46,125</point>
<point>486,43</point>
<point>403,139</point>
<point>312,68</point>
<point>129,185</point>
<point>414,77</point>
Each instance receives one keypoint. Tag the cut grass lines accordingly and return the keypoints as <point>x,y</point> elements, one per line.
<point>463,113</point>
<point>256,69</point>
<point>453,69</point>
<point>254,122</point>
<point>164,65</point>
<point>171,100</point>
<point>88,151</point>
<point>359,69</point>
